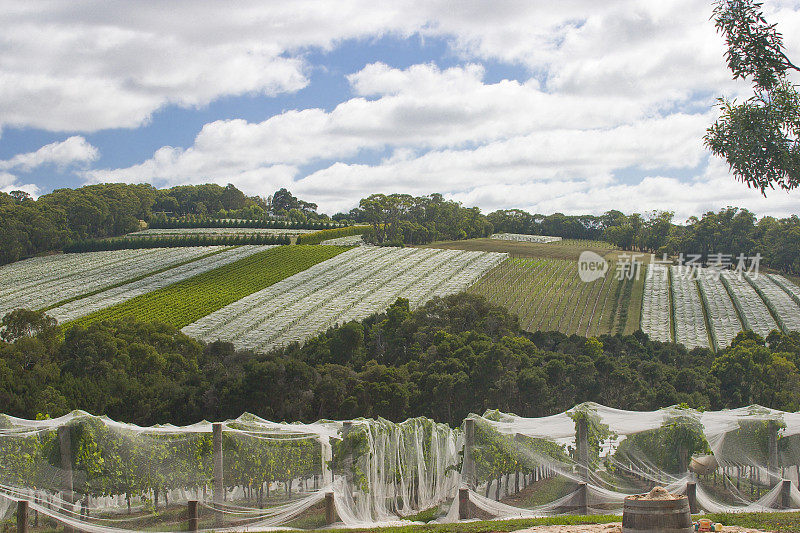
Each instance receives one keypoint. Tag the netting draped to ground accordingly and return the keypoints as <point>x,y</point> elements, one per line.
<point>98,475</point>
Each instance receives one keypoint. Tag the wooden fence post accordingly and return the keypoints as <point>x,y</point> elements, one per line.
<point>582,438</point>
<point>772,466</point>
<point>786,494</point>
<point>194,519</point>
<point>330,509</point>
<point>22,516</point>
<point>65,447</point>
<point>468,466</point>
<point>218,495</point>
<point>463,504</point>
<point>583,499</point>
<point>691,495</point>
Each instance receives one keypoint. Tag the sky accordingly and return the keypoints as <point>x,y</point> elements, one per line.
<point>576,106</point>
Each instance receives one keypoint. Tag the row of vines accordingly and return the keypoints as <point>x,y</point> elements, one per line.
<point>163,222</point>
<point>548,294</point>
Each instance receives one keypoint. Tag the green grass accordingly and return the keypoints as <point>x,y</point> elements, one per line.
<point>424,516</point>
<point>778,522</point>
<point>764,521</point>
<point>541,492</point>
<point>187,301</point>
<point>486,526</point>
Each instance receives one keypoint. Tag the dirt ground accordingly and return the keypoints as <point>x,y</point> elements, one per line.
<point>612,528</point>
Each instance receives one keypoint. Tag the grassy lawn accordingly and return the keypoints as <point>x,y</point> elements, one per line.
<point>763,521</point>
<point>184,302</point>
<point>493,525</point>
<point>778,522</point>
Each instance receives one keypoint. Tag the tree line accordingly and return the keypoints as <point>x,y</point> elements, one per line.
<point>175,241</point>
<point>397,219</point>
<point>732,231</point>
<point>450,357</point>
<point>161,221</point>
<point>29,227</point>
<point>51,222</point>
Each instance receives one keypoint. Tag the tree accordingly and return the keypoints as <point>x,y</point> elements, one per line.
<point>20,196</point>
<point>21,323</point>
<point>669,447</point>
<point>384,212</point>
<point>759,137</point>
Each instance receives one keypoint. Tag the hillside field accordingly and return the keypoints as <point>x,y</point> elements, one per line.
<point>186,301</point>
<point>264,296</point>
<point>540,284</point>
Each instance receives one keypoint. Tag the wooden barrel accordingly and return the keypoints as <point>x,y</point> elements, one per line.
<point>657,516</point>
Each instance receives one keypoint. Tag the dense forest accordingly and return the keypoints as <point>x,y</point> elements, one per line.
<point>448,358</point>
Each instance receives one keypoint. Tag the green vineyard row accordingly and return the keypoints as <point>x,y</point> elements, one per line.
<point>548,295</point>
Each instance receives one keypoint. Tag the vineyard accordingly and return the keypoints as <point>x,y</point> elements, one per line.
<point>547,294</point>
<point>91,303</point>
<point>701,307</point>
<point>656,309</point>
<point>44,282</point>
<point>329,234</point>
<point>351,286</point>
<point>92,473</point>
<point>191,221</point>
<point>134,242</point>
<point>687,307</point>
<point>217,231</point>
<point>722,316</point>
<point>697,307</point>
<point>541,239</point>
<point>569,249</point>
<point>352,240</point>
<point>261,296</point>
<point>181,303</point>
<point>780,303</point>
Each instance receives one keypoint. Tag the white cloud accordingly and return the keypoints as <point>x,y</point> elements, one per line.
<point>426,108</point>
<point>618,84</point>
<point>73,150</point>
<point>448,131</point>
<point>10,182</point>
<point>109,65</point>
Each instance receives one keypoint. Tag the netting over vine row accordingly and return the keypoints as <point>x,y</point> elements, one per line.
<point>96,475</point>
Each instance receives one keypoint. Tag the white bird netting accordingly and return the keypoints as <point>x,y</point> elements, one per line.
<point>96,475</point>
